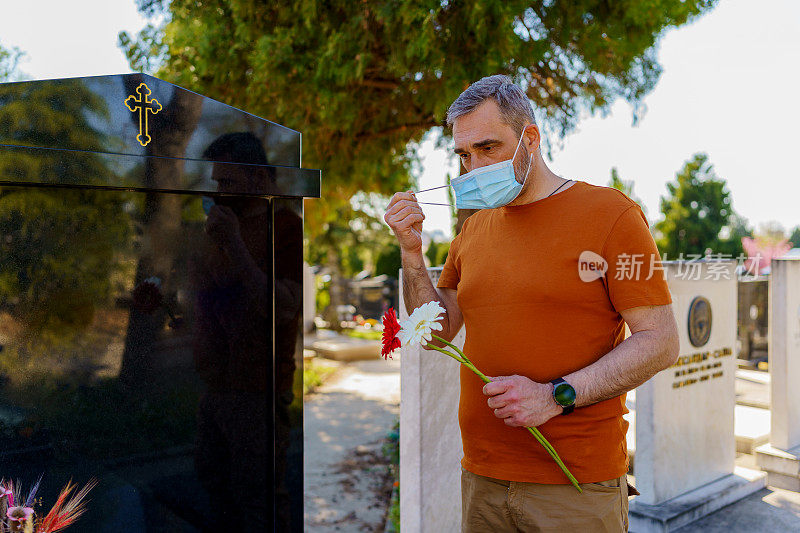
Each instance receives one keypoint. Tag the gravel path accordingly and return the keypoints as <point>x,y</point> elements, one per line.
<point>346,482</point>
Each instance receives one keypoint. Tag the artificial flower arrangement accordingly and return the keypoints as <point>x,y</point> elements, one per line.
<point>418,327</point>
<point>17,514</point>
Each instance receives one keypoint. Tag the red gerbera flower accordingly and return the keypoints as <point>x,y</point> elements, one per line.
<point>389,338</point>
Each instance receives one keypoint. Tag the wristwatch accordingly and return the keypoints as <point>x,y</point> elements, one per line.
<point>564,395</point>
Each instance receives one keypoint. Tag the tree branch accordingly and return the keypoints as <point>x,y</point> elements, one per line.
<point>380,84</point>
<point>397,129</point>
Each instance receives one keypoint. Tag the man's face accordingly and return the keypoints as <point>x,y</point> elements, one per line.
<point>483,138</point>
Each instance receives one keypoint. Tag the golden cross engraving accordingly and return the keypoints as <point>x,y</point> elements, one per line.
<point>144,105</point>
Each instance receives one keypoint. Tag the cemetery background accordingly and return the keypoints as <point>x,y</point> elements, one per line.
<point>353,262</point>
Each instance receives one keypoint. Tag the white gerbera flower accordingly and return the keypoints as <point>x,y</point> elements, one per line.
<point>419,325</point>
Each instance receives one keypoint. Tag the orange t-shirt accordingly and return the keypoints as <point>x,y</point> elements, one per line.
<point>528,312</point>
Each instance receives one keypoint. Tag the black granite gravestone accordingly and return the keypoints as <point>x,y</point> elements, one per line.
<point>151,244</point>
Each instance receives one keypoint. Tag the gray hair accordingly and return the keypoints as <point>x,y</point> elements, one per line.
<point>515,107</point>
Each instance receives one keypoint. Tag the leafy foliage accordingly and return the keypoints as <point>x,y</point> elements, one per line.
<point>356,235</point>
<point>389,261</point>
<point>437,252</point>
<point>731,243</point>
<point>794,237</point>
<point>696,210</point>
<point>626,187</point>
<point>9,63</point>
<point>364,80</point>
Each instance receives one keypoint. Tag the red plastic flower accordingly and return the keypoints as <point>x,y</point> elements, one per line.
<point>389,339</point>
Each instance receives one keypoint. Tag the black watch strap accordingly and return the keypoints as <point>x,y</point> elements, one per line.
<point>565,409</point>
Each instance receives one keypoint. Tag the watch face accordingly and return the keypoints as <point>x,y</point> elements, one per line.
<point>564,394</point>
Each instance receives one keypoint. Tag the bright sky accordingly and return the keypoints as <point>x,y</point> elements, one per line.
<point>65,39</point>
<point>729,88</point>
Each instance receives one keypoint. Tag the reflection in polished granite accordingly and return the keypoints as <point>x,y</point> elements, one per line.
<point>131,345</point>
<point>150,307</point>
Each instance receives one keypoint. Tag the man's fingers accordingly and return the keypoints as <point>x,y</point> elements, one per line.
<point>401,224</point>
<point>409,221</point>
<point>399,196</point>
<point>403,213</point>
<point>497,402</point>
<point>502,412</point>
<point>496,387</point>
<point>401,210</point>
<point>399,207</point>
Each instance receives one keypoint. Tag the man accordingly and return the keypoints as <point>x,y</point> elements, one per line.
<point>517,277</point>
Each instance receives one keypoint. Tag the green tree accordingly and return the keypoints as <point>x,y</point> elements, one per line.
<point>350,242</point>
<point>696,212</point>
<point>389,261</point>
<point>437,252</point>
<point>731,235</point>
<point>441,253</point>
<point>794,237</point>
<point>9,63</point>
<point>432,252</point>
<point>364,81</point>
<point>625,186</point>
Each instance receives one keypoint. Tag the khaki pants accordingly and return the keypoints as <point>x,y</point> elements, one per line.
<point>496,506</point>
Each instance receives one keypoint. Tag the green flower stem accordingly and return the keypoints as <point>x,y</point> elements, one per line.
<point>549,447</point>
<point>453,346</point>
<point>463,359</point>
<point>457,358</point>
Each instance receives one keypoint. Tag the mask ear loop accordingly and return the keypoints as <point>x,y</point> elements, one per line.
<point>518,145</point>
<point>530,162</point>
<point>530,158</point>
<point>431,189</point>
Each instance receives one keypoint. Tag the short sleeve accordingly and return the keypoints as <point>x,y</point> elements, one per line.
<point>451,271</point>
<point>634,277</point>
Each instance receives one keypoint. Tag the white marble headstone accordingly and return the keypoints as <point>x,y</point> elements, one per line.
<point>684,414</point>
<point>309,297</point>
<point>784,352</point>
<point>781,457</point>
<point>430,439</point>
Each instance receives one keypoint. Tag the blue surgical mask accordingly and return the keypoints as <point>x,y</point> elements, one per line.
<point>489,187</point>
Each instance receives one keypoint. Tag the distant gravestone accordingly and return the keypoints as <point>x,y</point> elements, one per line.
<point>781,457</point>
<point>685,444</point>
<point>309,298</point>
